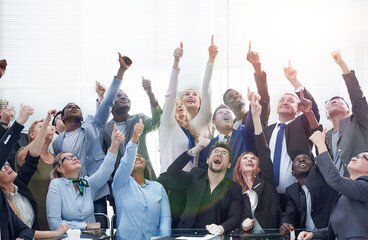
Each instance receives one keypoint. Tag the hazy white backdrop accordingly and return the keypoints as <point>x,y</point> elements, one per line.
<point>56,50</point>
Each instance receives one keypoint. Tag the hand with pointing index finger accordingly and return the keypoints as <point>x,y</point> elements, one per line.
<point>138,129</point>
<point>304,105</point>
<point>252,57</point>
<point>124,61</point>
<point>178,53</point>
<point>212,51</point>
<point>6,114</point>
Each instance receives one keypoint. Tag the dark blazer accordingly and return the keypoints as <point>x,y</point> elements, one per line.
<point>11,226</point>
<point>297,132</point>
<point>150,124</point>
<point>348,219</point>
<point>322,197</point>
<point>8,140</point>
<point>268,211</point>
<point>194,183</point>
<point>353,130</point>
<point>242,140</point>
<point>25,174</point>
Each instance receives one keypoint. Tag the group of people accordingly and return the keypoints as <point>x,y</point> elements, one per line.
<point>251,176</point>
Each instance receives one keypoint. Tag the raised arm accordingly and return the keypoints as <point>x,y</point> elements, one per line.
<point>126,166</point>
<point>355,189</point>
<point>11,136</point>
<point>152,123</point>
<point>102,175</point>
<point>261,82</point>
<point>203,118</point>
<point>359,105</point>
<point>165,215</point>
<point>104,109</point>
<point>305,106</point>
<point>6,114</point>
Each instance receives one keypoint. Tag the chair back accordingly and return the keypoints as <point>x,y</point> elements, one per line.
<point>103,219</point>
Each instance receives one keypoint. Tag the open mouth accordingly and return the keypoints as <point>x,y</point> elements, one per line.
<point>302,165</point>
<point>217,161</point>
<point>249,165</point>
<point>138,162</point>
<point>226,118</point>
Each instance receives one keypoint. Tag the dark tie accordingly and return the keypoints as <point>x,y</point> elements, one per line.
<point>277,154</point>
<point>227,139</point>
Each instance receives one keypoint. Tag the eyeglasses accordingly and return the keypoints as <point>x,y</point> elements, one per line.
<point>223,153</point>
<point>336,99</point>
<point>4,168</point>
<point>361,156</point>
<point>68,157</point>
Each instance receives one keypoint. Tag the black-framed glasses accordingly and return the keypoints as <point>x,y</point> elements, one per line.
<point>337,99</point>
<point>361,156</point>
<point>223,153</point>
<point>4,168</point>
<point>68,157</point>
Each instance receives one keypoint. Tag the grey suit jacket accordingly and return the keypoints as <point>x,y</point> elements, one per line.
<point>348,218</point>
<point>353,130</point>
<point>150,124</point>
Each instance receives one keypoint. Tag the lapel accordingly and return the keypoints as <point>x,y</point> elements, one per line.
<point>342,125</point>
<point>258,185</point>
<point>329,138</point>
<point>268,132</point>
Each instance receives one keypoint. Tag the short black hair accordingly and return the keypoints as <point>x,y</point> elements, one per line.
<point>54,119</point>
<point>223,145</point>
<point>226,92</point>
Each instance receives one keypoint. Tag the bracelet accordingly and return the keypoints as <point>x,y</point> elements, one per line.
<point>3,123</point>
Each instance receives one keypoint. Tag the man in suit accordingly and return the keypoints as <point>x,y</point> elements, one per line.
<point>213,201</point>
<point>289,137</point>
<point>310,200</point>
<point>240,140</point>
<point>236,102</point>
<point>84,139</point>
<point>349,135</point>
<point>125,123</point>
<point>348,218</point>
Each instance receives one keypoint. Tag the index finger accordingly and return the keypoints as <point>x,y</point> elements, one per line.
<point>212,40</point>
<point>6,105</point>
<point>289,63</point>
<point>181,45</point>
<point>143,78</point>
<point>250,46</point>
<point>301,94</point>
<point>140,121</point>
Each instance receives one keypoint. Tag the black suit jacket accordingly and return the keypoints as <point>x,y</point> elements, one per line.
<point>297,132</point>
<point>194,183</point>
<point>322,197</point>
<point>25,174</point>
<point>11,226</point>
<point>268,211</point>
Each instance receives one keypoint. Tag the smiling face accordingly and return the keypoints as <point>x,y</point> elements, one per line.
<point>72,112</point>
<point>7,175</point>
<point>122,102</point>
<point>249,163</point>
<point>219,160</point>
<point>180,110</point>
<point>69,165</point>
<point>358,165</point>
<point>234,100</point>
<point>191,99</point>
<point>140,163</point>
<point>302,164</point>
<point>223,119</point>
<point>288,106</point>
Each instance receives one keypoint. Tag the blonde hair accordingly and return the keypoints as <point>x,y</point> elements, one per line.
<point>11,204</point>
<point>57,163</point>
<point>183,92</point>
<point>185,123</point>
<point>31,129</point>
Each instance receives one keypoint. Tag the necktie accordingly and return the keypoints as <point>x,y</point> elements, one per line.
<point>277,153</point>
<point>191,140</point>
<point>81,184</point>
<point>227,139</point>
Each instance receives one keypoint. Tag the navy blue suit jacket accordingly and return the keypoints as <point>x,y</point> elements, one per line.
<point>242,140</point>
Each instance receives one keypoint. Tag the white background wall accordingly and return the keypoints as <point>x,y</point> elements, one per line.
<point>56,50</point>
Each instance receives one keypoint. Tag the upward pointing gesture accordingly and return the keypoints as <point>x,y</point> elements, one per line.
<point>138,129</point>
<point>290,74</point>
<point>253,58</point>
<point>212,51</point>
<point>178,54</point>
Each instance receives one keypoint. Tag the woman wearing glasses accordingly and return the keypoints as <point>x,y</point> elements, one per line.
<point>14,185</point>
<point>261,208</point>
<point>70,198</point>
<point>348,218</point>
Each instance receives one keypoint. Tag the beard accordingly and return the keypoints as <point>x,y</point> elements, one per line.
<point>216,170</point>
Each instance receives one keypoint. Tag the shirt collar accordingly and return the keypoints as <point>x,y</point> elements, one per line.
<point>222,136</point>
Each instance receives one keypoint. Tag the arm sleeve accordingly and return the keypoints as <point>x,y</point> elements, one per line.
<point>355,189</point>
<point>264,153</point>
<point>168,115</point>
<point>358,101</point>
<point>290,212</point>
<point>234,215</point>
<point>102,175</point>
<point>104,109</point>
<point>126,166</point>
<point>320,233</point>
<point>20,229</point>
<point>53,210</point>
<point>165,216</point>
<point>262,87</point>
<point>27,170</point>
<point>8,140</point>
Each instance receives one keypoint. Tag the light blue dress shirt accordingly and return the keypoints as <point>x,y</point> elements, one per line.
<point>65,205</point>
<point>142,211</point>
